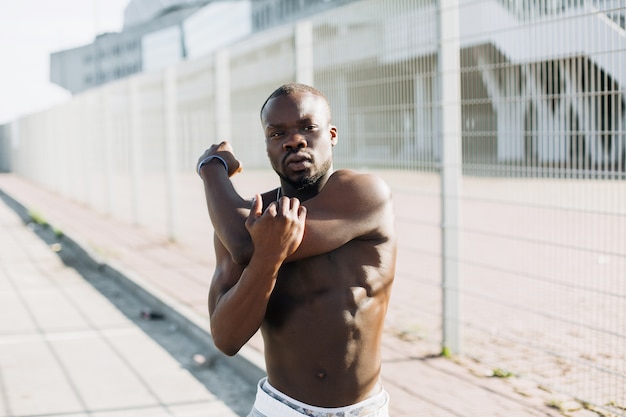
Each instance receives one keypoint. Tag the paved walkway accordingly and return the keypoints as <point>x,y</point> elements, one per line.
<point>66,350</point>
<point>63,349</point>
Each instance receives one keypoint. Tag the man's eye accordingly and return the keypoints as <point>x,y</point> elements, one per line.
<point>311,127</point>
<point>275,134</point>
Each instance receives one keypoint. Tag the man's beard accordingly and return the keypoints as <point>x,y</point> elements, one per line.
<point>304,181</point>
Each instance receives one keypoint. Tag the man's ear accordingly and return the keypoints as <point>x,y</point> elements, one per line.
<point>333,135</point>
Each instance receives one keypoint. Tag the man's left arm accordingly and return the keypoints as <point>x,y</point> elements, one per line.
<point>352,205</point>
<point>227,209</point>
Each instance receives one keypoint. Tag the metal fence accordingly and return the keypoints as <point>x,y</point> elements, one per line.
<point>499,124</point>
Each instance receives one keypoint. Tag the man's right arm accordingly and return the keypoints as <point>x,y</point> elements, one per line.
<point>239,295</point>
<point>238,299</point>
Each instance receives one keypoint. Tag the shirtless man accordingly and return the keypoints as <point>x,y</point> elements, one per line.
<point>310,263</point>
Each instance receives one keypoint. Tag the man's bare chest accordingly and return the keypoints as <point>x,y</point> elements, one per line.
<point>337,281</point>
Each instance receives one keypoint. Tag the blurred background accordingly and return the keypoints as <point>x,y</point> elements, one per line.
<point>30,31</point>
<point>499,124</point>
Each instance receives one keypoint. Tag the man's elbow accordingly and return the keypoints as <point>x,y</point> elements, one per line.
<point>227,347</point>
<point>238,245</point>
<point>228,350</point>
<point>242,254</point>
<point>224,338</point>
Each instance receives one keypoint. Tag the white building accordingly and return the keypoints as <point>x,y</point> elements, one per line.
<point>116,55</point>
<point>160,33</point>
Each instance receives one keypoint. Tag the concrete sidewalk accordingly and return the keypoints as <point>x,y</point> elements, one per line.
<point>419,381</point>
<point>67,350</point>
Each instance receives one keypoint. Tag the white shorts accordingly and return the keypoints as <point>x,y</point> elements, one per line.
<point>272,403</point>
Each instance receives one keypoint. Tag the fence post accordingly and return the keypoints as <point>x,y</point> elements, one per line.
<point>222,95</point>
<point>450,118</point>
<point>169,108</point>
<point>135,149</point>
<point>107,163</point>
<point>85,123</point>
<point>303,43</point>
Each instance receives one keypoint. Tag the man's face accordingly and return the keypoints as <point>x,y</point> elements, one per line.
<point>299,138</point>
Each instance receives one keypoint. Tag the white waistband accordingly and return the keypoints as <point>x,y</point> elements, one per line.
<point>271,407</point>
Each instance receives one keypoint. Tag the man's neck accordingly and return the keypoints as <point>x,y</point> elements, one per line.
<point>305,193</point>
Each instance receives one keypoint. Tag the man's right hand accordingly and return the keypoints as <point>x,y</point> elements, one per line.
<point>224,151</point>
<point>278,231</point>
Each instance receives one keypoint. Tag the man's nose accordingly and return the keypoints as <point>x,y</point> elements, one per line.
<point>295,141</point>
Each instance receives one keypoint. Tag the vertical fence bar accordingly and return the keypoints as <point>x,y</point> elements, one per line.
<point>222,95</point>
<point>135,149</point>
<point>107,162</point>
<point>450,119</point>
<point>84,145</point>
<point>303,40</point>
<point>170,109</point>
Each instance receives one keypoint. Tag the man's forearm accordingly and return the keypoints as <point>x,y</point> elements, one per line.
<point>228,212</point>
<point>239,312</point>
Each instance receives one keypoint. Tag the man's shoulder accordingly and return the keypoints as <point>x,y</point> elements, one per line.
<point>353,181</point>
<point>346,174</point>
<point>367,197</point>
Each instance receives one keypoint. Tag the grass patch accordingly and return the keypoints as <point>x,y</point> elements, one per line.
<point>58,233</point>
<point>446,352</point>
<point>37,218</point>
<point>501,373</point>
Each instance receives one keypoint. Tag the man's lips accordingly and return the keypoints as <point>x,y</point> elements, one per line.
<point>297,161</point>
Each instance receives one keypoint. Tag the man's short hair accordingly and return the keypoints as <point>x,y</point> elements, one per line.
<point>292,88</point>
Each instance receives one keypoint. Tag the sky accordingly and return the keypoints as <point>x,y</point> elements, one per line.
<point>29,31</point>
